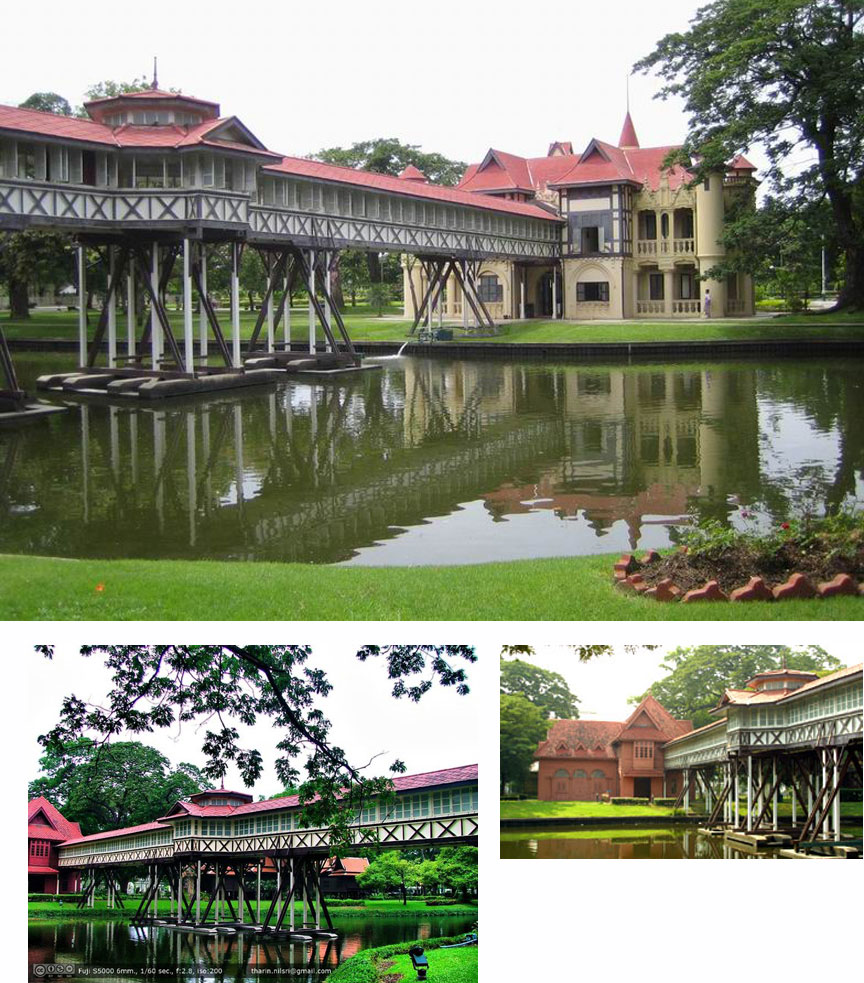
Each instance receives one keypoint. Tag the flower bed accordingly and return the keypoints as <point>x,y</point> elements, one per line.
<point>797,559</point>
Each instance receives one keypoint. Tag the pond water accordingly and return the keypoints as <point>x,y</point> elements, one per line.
<point>148,953</point>
<point>677,842</point>
<point>436,461</point>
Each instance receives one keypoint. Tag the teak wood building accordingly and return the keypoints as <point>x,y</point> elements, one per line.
<point>638,236</point>
<point>47,830</point>
<point>583,759</point>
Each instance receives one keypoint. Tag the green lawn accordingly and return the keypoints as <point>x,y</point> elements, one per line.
<point>363,325</point>
<point>568,589</point>
<point>534,809</point>
<point>590,833</point>
<point>385,908</point>
<point>445,966</point>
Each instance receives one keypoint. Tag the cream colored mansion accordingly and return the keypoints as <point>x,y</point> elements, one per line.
<point>635,236</point>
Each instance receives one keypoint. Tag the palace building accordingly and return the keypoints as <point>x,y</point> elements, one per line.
<point>638,235</point>
<point>583,759</point>
<point>47,830</point>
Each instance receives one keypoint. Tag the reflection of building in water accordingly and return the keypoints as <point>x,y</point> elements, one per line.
<point>646,443</point>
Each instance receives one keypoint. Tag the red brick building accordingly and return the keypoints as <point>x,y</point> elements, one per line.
<point>582,759</point>
<point>46,830</point>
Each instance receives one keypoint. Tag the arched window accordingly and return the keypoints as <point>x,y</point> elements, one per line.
<point>579,773</point>
<point>664,225</point>
<point>598,774</point>
<point>562,773</point>
<point>491,291</point>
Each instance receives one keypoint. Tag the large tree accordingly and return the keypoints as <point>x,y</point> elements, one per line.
<point>389,871</point>
<point>157,686</point>
<point>523,726</point>
<point>546,690</point>
<point>789,75</point>
<point>113,785</point>
<point>697,677</point>
<point>30,259</point>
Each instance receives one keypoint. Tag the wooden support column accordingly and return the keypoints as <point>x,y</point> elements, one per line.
<point>749,792</point>
<point>111,301</point>
<point>258,896</point>
<point>687,781</point>
<point>271,286</point>
<point>235,304</point>
<point>555,293</point>
<point>131,325</point>
<point>774,796</point>
<point>155,326</point>
<point>287,310</point>
<point>198,894</point>
<point>327,315</point>
<point>188,337</point>
<point>203,326</point>
<point>82,306</point>
<point>835,754</point>
<point>310,286</point>
<point>522,294</point>
<point>239,871</point>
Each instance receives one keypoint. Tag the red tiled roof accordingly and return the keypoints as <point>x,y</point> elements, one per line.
<point>523,173</point>
<point>412,173</point>
<point>110,833</point>
<point>54,125</point>
<point>628,136</point>
<point>303,167</point>
<point>665,725</point>
<point>42,870</point>
<point>44,833</point>
<point>53,815</point>
<point>747,697</point>
<point>402,783</point>
<point>740,163</point>
<point>144,94</point>
<point>129,135</point>
<point>350,866</point>
<point>698,730</point>
<point>582,738</point>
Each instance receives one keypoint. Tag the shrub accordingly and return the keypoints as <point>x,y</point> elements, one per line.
<point>620,800</point>
<point>665,802</point>
<point>345,902</point>
<point>440,902</point>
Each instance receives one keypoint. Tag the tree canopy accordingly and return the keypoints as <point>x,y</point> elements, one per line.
<point>786,74</point>
<point>453,867</point>
<point>548,691</point>
<point>108,786</point>
<point>697,677</point>
<point>523,726</point>
<point>47,102</point>
<point>390,156</point>
<point>158,686</point>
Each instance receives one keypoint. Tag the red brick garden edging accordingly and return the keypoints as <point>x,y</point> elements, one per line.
<point>798,586</point>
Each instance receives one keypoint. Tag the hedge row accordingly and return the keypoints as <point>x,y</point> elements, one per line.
<point>54,897</point>
<point>665,802</point>
<point>623,801</point>
<point>363,968</point>
<point>441,902</point>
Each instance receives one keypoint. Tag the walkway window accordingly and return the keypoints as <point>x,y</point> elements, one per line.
<point>656,289</point>
<point>593,291</point>
<point>490,289</point>
<point>26,161</point>
<point>149,172</point>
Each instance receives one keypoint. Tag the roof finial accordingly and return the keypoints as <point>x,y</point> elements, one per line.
<point>155,83</point>
<point>627,85</point>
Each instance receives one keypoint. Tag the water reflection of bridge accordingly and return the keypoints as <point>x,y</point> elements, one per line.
<point>313,473</point>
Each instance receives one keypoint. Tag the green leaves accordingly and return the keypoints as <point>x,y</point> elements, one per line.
<point>548,691</point>
<point>155,686</point>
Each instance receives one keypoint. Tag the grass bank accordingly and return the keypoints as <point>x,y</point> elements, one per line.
<point>364,325</point>
<point>378,909</point>
<point>535,809</point>
<point>594,833</point>
<point>391,963</point>
<point>563,589</point>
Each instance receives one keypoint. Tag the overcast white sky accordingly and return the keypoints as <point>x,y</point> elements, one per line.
<point>437,732</point>
<point>604,684</point>
<point>453,76</point>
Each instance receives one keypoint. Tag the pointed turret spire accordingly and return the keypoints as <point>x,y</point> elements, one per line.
<point>155,83</point>
<point>628,136</point>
